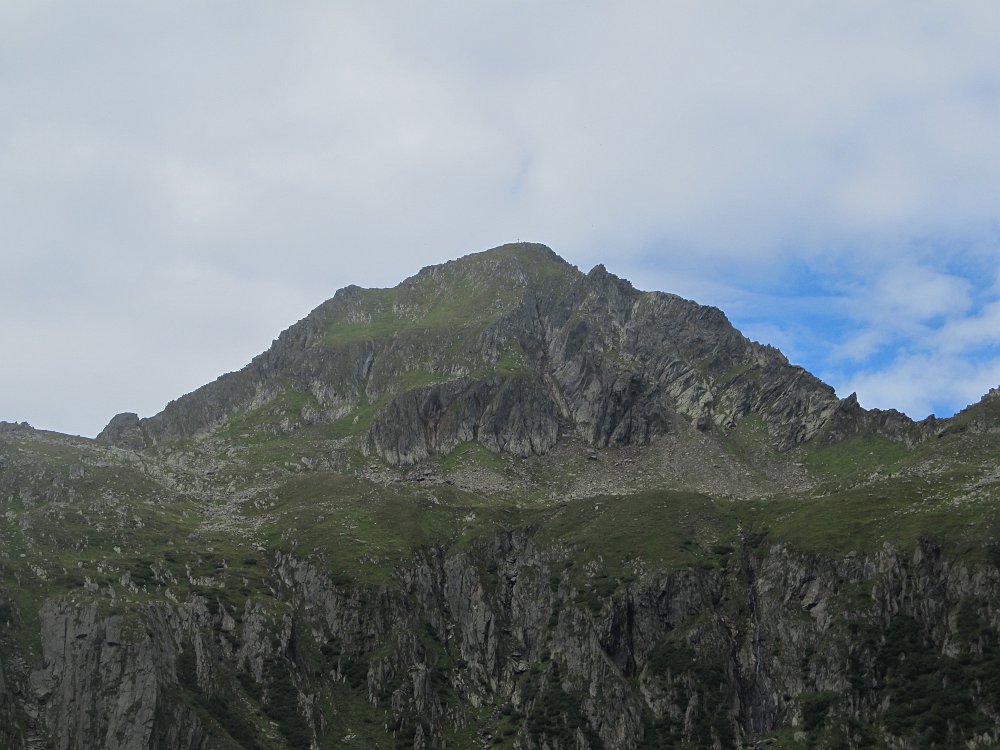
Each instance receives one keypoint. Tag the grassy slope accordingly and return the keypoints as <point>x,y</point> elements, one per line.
<point>105,519</point>
<point>460,299</point>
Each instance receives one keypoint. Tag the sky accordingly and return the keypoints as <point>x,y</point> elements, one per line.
<point>182,180</point>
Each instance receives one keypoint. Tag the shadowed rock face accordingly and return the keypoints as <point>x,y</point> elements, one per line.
<point>10,734</point>
<point>512,415</point>
<point>521,348</point>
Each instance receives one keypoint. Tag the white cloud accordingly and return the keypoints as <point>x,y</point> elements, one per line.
<point>860,346</point>
<point>921,343</point>
<point>971,333</point>
<point>134,338</point>
<point>919,385</point>
<point>909,295</point>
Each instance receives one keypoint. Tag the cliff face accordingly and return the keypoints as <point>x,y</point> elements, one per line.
<point>107,681</point>
<point>506,644</point>
<point>715,657</point>
<point>10,733</point>
<point>512,415</point>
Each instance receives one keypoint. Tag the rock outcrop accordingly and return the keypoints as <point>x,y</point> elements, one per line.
<point>106,681</point>
<point>125,431</point>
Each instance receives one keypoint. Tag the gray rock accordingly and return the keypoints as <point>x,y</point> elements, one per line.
<point>10,733</point>
<point>504,414</point>
<point>124,430</point>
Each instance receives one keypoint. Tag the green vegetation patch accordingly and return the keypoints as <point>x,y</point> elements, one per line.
<point>936,700</point>
<point>404,311</point>
<point>218,707</point>
<point>856,457</point>
<point>556,713</point>
<point>458,298</point>
<point>472,454</point>
<point>750,440</point>
<point>289,404</point>
<point>664,528</point>
<point>511,363</point>
<point>420,378</point>
<point>365,531</point>
<point>357,422</point>
<point>901,511</point>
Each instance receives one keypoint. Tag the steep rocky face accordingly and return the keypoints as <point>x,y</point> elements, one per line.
<point>691,655</point>
<point>581,354</point>
<point>628,363</point>
<point>104,680</point>
<point>505,643</point>
<point>10,734</point>
<point>359,346</point>
<point>513,415</point>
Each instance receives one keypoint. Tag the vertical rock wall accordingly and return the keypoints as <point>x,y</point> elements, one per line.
<point>504,639</point>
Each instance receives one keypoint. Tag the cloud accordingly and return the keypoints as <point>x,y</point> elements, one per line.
<point>860,347</point>
<point>911,338</point>
<point>909,295</point>
<point>800,163</point>
<point>972,333</point>
<point>923,384</point>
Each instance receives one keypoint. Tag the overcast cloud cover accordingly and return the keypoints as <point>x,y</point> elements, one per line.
<point>179,181</point>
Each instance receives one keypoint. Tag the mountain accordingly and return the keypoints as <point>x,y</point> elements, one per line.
<point>504,504</point>
<point>518,351</point>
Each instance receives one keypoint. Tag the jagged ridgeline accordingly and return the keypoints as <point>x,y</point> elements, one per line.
<point>504,504</point>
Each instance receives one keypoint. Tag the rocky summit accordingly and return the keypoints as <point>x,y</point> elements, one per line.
<point>504,504</point>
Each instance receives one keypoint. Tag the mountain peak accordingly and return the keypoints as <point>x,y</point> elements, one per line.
<point>512,348</point>
<point>527,252</point>
<point>522,262</point>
